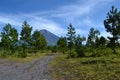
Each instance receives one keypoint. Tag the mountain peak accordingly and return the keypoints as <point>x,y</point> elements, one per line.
<point>50,37</point>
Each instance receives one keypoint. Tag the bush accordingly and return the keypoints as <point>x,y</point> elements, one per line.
<point>54,49</point>
<point>101,52</point>
<point>80,52</point>
<point>72,54</point>
<point>22,55</point>
<point>3,54</point>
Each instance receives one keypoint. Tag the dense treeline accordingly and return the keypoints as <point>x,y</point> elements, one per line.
<point>72,44</point>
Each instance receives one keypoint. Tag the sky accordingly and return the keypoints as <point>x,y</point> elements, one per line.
<point>56,15</point>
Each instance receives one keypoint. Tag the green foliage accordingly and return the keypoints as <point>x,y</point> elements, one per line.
<point>54,49</point>
<point>26,32</point>
<point>62,44</point>
<point>72,54</point>
<point>9,36</point>
<point>22,55</point>
<point>79,46</point>
<point>5,36</point>
<point>71,36</point>
<point>38,40</point>
<point>42,42</point>
<point>112,25</point>
<point>14,35</point>
<point>25,35</point>
<point>100,42</point>
<point>93,34</point>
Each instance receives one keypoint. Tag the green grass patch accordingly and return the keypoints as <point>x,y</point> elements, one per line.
<point>88,68</point>
<point>30,57</point>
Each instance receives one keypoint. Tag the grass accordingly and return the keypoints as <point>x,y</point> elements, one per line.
<point>30,57</point>
<point>87,68</point>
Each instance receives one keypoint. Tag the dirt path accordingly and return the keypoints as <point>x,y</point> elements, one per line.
<point>35,70</point>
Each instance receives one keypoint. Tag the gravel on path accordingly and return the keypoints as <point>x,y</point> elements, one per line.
<point>35,70</point>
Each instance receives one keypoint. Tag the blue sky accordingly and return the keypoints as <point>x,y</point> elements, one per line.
<point>56,15</point>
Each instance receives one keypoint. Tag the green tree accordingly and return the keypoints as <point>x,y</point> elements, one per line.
<point>42,41</point>
<point>97,42</point>
<point>38,40</point>
<point>102,41</point>
<point>62,44</point>
<point>14,38</point>
<point>93,34</point>
<point>112,25</point>
<point>25,35</point>
<point>9,36</point>
<point>71,36</point>
<point>79,46</point>
<point>26,32</point>
<point>5,36</point>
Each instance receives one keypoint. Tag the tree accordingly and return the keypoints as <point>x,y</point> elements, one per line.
<point>102,41</point>
<point>5,36</point>
<point>71,36</point>
<point>25,35</point>
<point>14,38</point>
<point>62,44</point>
<point>93,34</point>
<point>9,36</point>
<point>112,25</point>
<point>97,42</point>
<point>26,32</point>
<point>42,41</point>
<point>38,40</point>
<point>79,46</point>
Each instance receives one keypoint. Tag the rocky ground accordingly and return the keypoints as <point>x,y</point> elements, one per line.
<point>35,70</point>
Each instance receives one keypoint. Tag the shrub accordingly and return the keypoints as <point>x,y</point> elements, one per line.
<point>22,55</point>
<point>80,52</point>
<point>72,54</point>
<point>54,49</point>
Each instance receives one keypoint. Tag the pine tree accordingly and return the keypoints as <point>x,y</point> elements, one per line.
<point>71,36</point>
<point>62,44</point>
<point>38,40</point>
<point>79,46</point>
<point>9,36</point>
<point>25,36</point>
<point>93,34</point>
<point>26,32</point>
<point>112,25</point>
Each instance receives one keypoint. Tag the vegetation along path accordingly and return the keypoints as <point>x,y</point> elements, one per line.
<point>35,70</point>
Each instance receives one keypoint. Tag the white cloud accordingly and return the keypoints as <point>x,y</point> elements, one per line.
<point>41,23</point>
<point>6,19</point>
<point>36,22</point>
<point>75,13</point>
<point>105,34</point>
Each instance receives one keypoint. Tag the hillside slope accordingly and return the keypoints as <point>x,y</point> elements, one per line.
<point>50,37</point>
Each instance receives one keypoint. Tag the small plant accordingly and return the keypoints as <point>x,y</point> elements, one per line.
<point>22,55</point>
<point>80,52</point>
<point>72,54</point>
<point>54,49</point>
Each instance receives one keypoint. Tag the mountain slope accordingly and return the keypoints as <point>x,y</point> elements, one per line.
<point>50,37</point>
